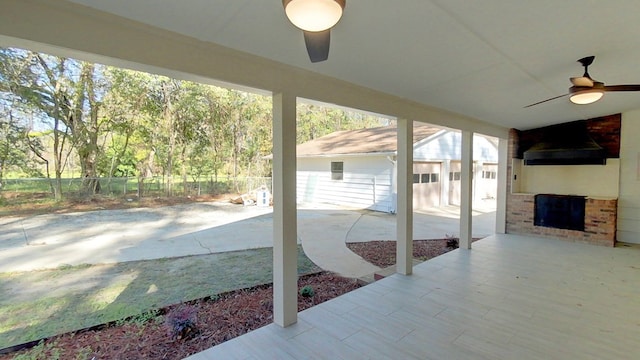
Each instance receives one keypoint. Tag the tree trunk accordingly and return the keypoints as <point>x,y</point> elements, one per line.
<point>183,170</point>
<point>57,160</point>
<point>168,115</point>
<point>146,172</point>
<point>87,129</point>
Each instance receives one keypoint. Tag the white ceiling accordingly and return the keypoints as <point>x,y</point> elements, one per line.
<point>484,59</point>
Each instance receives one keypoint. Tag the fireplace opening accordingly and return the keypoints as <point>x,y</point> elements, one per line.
<point>559,211</point>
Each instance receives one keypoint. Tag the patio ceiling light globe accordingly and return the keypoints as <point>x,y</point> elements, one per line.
<point>314,15</point>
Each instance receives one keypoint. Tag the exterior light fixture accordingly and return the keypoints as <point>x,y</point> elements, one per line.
<point>585,95</point>
<point>314,15</point>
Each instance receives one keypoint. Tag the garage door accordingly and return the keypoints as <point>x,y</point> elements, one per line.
<point>488,186</point>
<point>454,182</point>
<point>426,184</point>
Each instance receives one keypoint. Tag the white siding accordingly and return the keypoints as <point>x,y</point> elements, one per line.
<point>366,182</point>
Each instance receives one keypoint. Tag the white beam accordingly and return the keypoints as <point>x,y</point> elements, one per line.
<point>501,197</point>
<point>285,257</point>
<point>404,225</point>
<point>466,190</point>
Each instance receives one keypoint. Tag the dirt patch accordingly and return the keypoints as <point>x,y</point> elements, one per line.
<point>217,320</point>
<point>383,253</point>
<point>25,204</point>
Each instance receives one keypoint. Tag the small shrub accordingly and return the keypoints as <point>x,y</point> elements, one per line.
<point>307,291</point>
<point>452,242</point>
<point>181,322</point>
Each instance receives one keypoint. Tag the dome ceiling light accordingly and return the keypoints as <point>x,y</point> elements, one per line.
<point>315,18</point>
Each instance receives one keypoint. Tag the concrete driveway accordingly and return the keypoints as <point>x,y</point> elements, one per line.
<point>49,241</point>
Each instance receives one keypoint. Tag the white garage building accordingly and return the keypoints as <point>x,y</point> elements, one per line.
<point>357,168</point>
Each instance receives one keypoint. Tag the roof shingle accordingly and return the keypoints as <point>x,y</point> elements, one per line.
<point>362,141</point>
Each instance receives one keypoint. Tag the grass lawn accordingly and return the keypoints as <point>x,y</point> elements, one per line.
<point>40,304</point>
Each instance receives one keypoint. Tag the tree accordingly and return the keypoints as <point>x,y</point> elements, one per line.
<point>85,126</point>
<point>133,131</point>
<point>315,121</point>
<point>15,145</point>
<point>63,93</point>
<point>218,120</point>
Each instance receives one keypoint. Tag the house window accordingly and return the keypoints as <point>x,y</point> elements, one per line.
<point>434,177</point>
<point>416,178</point>
<point>425,178</point>
<point>337,170</point>
<point>454,176</point>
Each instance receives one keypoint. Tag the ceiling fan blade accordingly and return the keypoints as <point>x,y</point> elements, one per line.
<point>544,101</point>
<point>318,44</point>
<point>582,81</point>
<point>622,88</point>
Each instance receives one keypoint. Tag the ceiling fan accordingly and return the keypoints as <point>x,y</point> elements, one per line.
<point>586,90</point>
<point>315,18</point>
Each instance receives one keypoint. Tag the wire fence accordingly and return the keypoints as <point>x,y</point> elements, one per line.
<point>133,186</point>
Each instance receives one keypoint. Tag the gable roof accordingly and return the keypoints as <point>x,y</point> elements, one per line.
<point>362,141</point>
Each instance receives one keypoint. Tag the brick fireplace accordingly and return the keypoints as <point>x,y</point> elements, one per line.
<point>600,212</point>
<point>599,221</point>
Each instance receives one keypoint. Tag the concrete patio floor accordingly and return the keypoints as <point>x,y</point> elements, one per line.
<point>510,297</point>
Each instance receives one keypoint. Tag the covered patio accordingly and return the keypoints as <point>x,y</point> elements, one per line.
<point>511,297</point>
<point>469,67</point>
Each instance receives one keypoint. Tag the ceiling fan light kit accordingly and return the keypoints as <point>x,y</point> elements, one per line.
<point>586,96</point>
<point>314,15</point>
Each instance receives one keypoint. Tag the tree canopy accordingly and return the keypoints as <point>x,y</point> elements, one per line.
<point>98,121</point>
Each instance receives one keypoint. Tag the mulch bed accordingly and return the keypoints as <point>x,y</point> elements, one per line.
<point>217,320</point>
<point>383,253</point>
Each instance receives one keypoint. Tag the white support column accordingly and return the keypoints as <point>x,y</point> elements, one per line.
<point>501,197</point>
<point>285,272</point>
<point>466,190</point>
<point>404,224</point>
